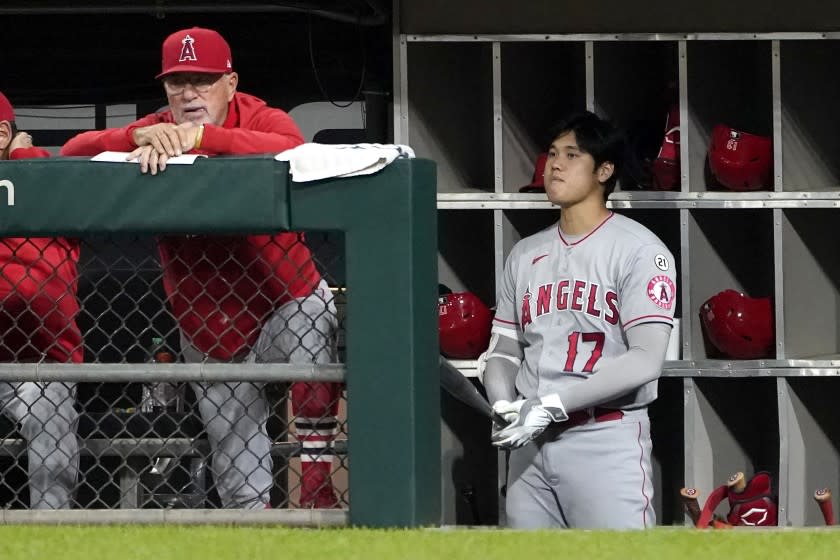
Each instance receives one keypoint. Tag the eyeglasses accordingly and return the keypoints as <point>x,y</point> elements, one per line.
<point>201,83</point>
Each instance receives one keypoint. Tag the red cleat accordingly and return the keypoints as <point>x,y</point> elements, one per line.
<point>317,489</point>
<point>325,498</point>
<point>317,492</point>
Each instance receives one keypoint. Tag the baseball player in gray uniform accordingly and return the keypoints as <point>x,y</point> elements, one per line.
<point>585,310</point>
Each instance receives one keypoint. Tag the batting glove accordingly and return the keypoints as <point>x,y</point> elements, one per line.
<point>507,416</point>
<point>527,418</point>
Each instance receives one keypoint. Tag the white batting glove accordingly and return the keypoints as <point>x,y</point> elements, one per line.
<point>507,410</point>
<point>527,418</point>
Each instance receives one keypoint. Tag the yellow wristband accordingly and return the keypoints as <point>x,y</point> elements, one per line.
<point>199,136</point>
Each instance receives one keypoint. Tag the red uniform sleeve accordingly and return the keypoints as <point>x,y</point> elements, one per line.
<point>269,130</point>
<point>29,153</point>
<point>264,130</point>
<point>112,139</point>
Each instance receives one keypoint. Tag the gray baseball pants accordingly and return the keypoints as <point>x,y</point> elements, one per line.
<point>46,418</point>
<point>593,476</point>
<point>235,414</point>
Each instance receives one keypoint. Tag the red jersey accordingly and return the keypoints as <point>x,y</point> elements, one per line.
<point>222,289</point>
<point>38,284</point>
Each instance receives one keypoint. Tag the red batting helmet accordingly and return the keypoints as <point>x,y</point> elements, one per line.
<point>740,161</point>
<point>666,166</point>
<point>463,325</point>
<point>739,326</point>
<point>537,184</point>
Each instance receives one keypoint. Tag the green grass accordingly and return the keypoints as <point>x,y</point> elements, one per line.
<point>187,543</point>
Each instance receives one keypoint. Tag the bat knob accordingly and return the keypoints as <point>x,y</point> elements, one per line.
<point>822,495</point>
<point>737,482</point>
<point>690,493</point>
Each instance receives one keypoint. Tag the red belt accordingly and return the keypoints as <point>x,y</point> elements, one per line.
<point>596,414</point>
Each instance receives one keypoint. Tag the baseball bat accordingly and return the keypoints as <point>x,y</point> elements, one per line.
<point>737,482</point>
<point>823,498</point>
<point>460,387</point>
<point>689,499</point>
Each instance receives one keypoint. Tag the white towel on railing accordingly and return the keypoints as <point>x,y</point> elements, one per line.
<point>312,161</point>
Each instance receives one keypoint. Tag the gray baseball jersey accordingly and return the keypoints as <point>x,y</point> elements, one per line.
<point>568,301</point>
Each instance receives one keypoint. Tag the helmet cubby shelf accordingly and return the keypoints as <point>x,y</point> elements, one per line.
<point>756,217</point>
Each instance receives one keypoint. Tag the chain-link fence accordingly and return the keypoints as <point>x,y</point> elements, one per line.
<point>193,299</point>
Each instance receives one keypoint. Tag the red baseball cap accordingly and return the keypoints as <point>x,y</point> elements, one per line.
<point>537,184</point>
<point>196,50</point>
<point>7,113</point>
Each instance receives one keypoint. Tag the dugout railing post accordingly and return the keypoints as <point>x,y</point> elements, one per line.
<point>389,221</point>
<point>393,391</point>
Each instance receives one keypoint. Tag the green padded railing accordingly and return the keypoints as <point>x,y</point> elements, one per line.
<point>389,220</point>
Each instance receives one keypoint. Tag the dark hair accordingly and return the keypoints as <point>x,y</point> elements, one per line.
<point>598,138</point>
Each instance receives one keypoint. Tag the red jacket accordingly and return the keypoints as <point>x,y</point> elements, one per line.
<point>222,289</point>
<point>38,284</point>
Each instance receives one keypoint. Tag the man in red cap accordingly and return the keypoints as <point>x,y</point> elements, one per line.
<point>38,309</point>
<point>258,298</point>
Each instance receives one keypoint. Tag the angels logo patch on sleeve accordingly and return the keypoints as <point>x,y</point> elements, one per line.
<point>661,291</point>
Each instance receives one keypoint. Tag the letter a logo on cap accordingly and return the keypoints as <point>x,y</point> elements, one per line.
<point>187,51</point>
